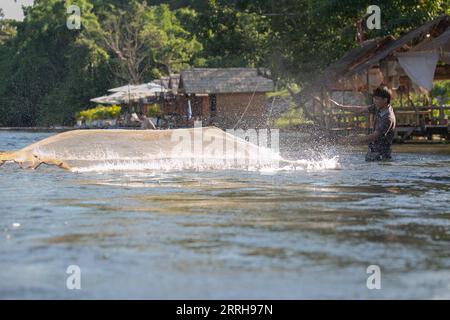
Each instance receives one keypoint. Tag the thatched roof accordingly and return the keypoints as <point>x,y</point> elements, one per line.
<point>440,43</point>
<point>174,82</point>
<point>339,69</point>
<point>163,81</point>
<point>169,82</point>
<point>227,80</point>
<point>344,66</point>
<point>360,59</point>
<point>437,25</point>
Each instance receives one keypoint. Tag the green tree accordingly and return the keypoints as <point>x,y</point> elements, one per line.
<point>231,37</point>
<point>7,28</point>
<point>307,35</point>
<point>176,47</point>
<point>145,42</point>
<point>51,70</point>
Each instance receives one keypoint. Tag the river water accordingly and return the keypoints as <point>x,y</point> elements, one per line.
<point>228,234</point>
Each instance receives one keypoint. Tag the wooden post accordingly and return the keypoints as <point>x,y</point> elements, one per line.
<point>368,100</point>
<point>416,110</point>
<point>324,117</point>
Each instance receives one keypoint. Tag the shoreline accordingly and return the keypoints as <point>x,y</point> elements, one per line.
<point>37,129</point>
<point>285,133</point>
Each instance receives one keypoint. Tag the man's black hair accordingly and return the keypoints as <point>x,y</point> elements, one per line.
<point>383,92</point>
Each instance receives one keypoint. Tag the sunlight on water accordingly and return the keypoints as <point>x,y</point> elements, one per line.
<point>301,228</point>
<point>192,164</point>
<point>198,149</point>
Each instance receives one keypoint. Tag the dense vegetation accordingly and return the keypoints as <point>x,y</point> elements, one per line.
<point>49,72</point>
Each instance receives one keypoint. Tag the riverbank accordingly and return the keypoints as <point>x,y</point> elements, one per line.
<point>37,129</point>
<point>291,139</point>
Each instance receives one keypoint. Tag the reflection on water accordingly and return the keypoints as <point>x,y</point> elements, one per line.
<point>228,233</point>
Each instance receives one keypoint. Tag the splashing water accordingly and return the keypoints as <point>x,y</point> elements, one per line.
<point>250,235</point>
<point>188,164</point>
<point>167,150</point>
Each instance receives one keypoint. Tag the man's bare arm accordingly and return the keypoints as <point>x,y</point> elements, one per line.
<point>354,109</point>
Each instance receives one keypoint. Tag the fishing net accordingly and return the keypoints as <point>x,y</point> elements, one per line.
<point>84,150</point>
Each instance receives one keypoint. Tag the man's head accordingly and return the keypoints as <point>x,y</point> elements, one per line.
<point>381,97</point>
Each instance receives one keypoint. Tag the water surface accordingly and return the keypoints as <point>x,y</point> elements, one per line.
<point>228,233</point>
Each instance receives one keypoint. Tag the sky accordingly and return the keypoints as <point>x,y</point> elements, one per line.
<point>13,8</point>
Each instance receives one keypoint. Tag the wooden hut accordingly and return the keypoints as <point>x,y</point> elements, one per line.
<point>227,98</point>
<point>407,64</point>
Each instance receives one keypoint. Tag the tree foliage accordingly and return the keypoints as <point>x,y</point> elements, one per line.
<point>50,72</point>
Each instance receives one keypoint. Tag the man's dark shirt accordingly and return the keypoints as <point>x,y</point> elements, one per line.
<point>384,123</point>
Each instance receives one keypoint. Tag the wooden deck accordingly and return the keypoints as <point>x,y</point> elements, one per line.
<point>411,122</point>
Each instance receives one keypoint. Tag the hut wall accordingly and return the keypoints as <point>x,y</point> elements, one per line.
<point>179,106</point>
<point>231,106</point>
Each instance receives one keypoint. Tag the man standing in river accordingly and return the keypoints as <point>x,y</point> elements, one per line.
<point>380,140</point>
